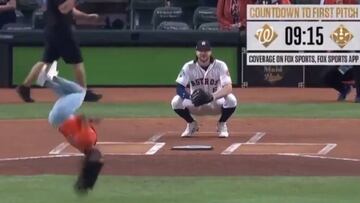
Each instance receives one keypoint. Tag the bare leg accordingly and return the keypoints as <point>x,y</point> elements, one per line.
<point>80,77</point>
<point>80,74</point>
<point>24,89</point>
<point>33,74</point>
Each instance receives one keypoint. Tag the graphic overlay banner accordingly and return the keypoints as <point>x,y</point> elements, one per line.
<point>303,12</point>
<point>303,36</point>
<point>302,28</point>
<point>294,59</point>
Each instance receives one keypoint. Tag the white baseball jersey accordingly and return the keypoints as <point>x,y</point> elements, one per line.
<point>215,77</point>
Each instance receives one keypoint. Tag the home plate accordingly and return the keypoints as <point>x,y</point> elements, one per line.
<point>192,147</point>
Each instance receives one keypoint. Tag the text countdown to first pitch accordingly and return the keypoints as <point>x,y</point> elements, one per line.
<point>303,34</point>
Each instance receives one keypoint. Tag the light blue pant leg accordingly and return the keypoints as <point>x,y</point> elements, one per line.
<point>67,85</point>
<point>68,103</point>
<point>55,87</point>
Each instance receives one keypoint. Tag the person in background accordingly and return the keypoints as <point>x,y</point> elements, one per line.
<point>342,78</point>
<point>231,14</point>
<point>7,12</point>
<point>60,43</point>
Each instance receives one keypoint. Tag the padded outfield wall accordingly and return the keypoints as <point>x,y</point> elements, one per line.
<point>125,65</point>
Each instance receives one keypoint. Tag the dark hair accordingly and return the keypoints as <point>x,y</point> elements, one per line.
<point>212,59</point>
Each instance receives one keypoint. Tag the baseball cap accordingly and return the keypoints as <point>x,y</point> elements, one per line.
<point>203,45</point>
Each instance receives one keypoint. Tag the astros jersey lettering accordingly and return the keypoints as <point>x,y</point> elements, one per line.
<point>216,76</point>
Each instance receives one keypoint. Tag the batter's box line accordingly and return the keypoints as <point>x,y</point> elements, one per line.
<point>213,132</point>
<point>323,151</point>
<point>254,139</point>
<point>320,157</point>
<point>153,150</point>
<point>291,143</point>
<point>327,149</point>
<point>231,148</point>
<point>58,149</point>
<point>25,158</point>
<point>156,137</point>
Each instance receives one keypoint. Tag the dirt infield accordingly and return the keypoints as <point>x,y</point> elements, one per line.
<point>142,146</point>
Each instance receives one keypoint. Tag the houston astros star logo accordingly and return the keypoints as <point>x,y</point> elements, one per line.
<point>266,35</point>
<point>341,36</point>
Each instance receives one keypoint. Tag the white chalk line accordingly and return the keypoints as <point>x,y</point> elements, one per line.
<point>213,132</point>
<point>319,157</point>
<point>155,148</point>
<point>272,154</point>
<point>123,143</point>
<point>58,149</point>
<point>254,139</point>
<point>289,143</point>
<point>156,137</point>
<point>234,146</point>
<point>112,154</point>
<point>39,157</point>
<point>327,149</point>
<point>231,148</point>
<point>62,146</point>
<point>107,154</point>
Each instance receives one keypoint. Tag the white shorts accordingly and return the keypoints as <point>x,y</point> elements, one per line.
<point>213,108</point>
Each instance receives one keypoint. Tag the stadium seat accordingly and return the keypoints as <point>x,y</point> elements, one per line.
<point>38,20</point>
<point>19,16</point>
<point>213,26</point>
<point>204,15</point>
<point>188,7</point>
<point>173,26</point>
<point>167,13</point>
<point>17,27</point>
<point>27,7</point>
<point>114,22</point>
<point>141,12</point>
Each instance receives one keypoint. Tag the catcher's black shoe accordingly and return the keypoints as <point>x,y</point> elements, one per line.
<point>92,96</point>
<point>24,93</point>
<point>90,171</point>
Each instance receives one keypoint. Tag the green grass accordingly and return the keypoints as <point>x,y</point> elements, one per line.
<point>52,189</point>
<point>125,65</point>
<point>287,110</point>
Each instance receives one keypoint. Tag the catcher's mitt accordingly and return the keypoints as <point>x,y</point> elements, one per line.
<point>200,97</point>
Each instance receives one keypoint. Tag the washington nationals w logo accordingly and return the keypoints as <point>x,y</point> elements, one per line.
<point>266,35</point>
